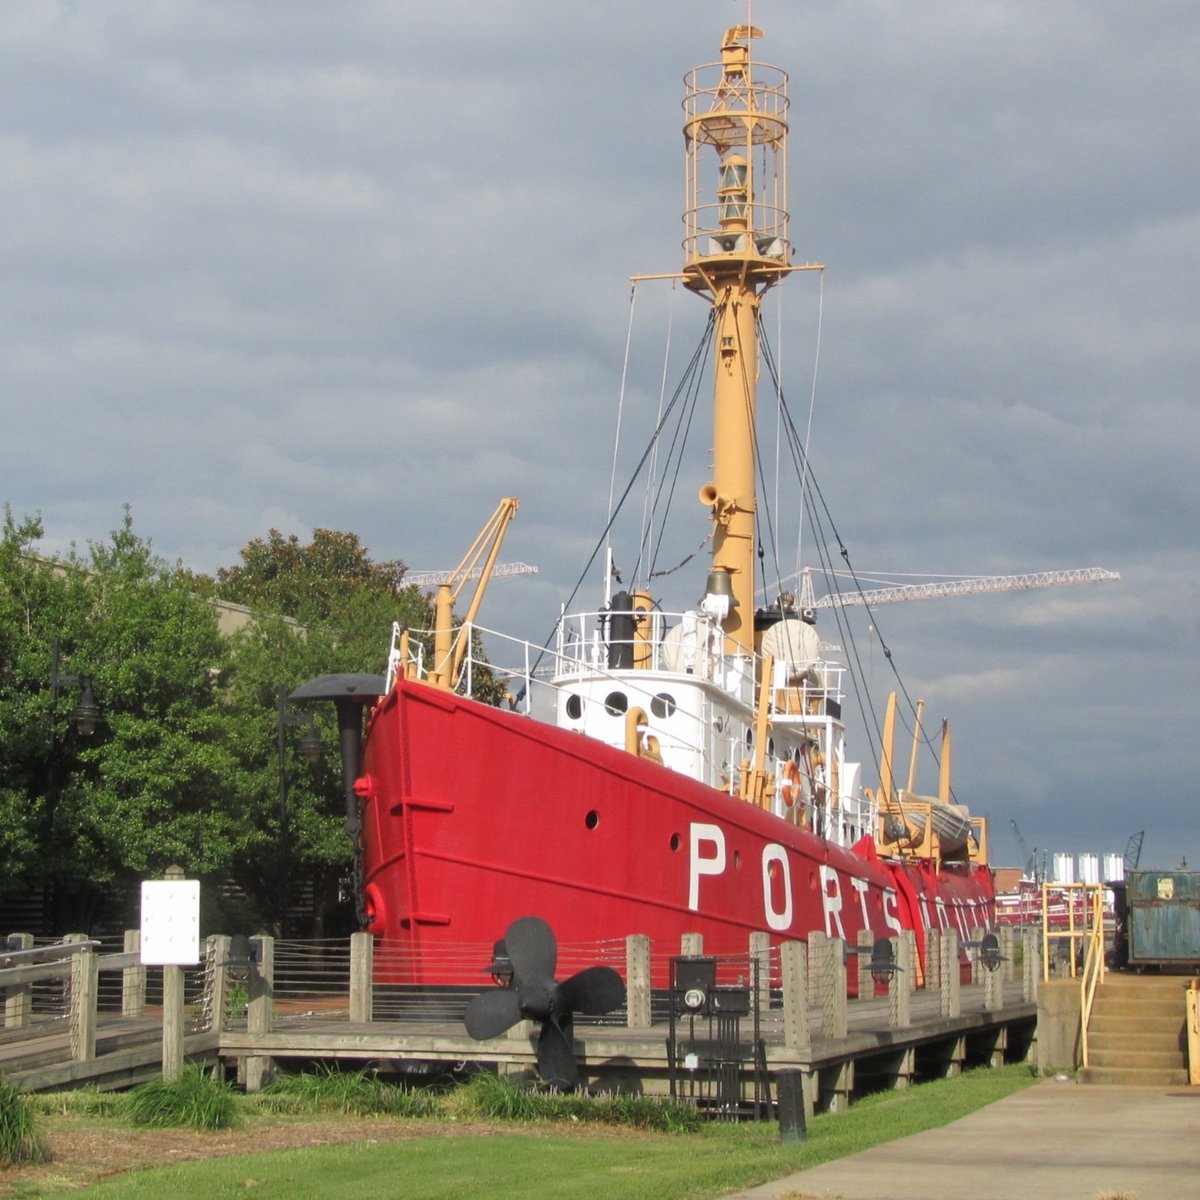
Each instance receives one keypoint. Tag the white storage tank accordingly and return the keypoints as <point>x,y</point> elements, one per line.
<point>1089,869</point>
<point>1064,869</point>
<point>1114,868</point>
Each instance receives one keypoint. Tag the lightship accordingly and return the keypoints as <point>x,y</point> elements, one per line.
<point>656,772</point>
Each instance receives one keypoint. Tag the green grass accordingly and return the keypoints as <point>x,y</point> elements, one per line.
<point>540,1161</point>
<point>20,1141</point>
<point>354,1093</point>
<point>192,1098</point>
<point>497,1098</point>
<point>87,1101</point>
<point>485,1097</point>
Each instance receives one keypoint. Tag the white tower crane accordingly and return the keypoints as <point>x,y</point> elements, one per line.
<point>952,587</point>
<point>433,578</point>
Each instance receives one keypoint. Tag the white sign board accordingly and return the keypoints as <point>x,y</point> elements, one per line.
<point>171,922</point>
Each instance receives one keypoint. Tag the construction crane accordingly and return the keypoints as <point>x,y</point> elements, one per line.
<point>1133,850</point>
<point>1029,865</point>
<point>433,578</point>
<point>952,587</point>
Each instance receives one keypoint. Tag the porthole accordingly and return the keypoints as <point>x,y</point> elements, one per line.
<point>771,747</point>
<point>574,707</point>
<point>592,819</point>
<point>737,860</point>
<point>615,703</point>
<point>749,737</point>
<point>674,843</point>
<point>663,705</point>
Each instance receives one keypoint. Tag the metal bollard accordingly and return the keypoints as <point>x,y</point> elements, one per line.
<point>789,1088</point>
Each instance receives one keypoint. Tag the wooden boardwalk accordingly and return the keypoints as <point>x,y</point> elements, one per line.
<point>128,1051</point>
<point>610,1055</point>
<point>833,1043</point>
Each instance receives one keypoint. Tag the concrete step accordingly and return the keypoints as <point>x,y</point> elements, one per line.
<point>1134,1038</point>
<point>1154,1008</point>
<point>1135,1043</point>
<point>1123,1056</point>
<point>1150,1020</point>
<point>1172,1031</point>
<point>1136,1034</point>
<point>1133,1076</point>
<point>1145,982</point>
<point>1162,1028</point>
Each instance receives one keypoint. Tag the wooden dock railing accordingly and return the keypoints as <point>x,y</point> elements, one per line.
<point>250,983</point>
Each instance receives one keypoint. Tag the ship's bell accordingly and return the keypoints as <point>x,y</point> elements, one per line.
<point>720,583</point>
<point>718,598</point>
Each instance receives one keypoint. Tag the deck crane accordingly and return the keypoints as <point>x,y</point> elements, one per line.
<point>479,562</point>
<point>952,587</point>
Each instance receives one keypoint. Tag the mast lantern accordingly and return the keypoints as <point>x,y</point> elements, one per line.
<point>733,192</point>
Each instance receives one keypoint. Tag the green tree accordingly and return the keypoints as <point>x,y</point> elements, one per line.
<point>32,601</point>
<point>184,766</point>
<point>314,582</point>
<point>156,783</point>
<point>318,608</point>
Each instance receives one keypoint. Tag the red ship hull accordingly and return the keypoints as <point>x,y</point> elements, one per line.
<point>473,817</point>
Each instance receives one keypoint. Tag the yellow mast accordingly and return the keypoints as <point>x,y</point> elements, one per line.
<point>735,247</point>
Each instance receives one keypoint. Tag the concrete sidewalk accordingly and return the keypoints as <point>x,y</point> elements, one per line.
<point>1057,1140</point>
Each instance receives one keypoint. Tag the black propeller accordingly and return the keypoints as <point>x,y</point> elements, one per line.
<point>530,947</point>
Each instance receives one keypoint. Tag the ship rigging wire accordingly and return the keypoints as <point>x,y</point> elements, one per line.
<point>820,518</point>
<point>646,547</point>
<point>612,479</point>
<point>689,372</point>
<point>678,413</point>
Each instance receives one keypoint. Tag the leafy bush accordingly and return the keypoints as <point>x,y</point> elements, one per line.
<point>356,1093</point>
<point>192,1098</point>
<point>19,1140</point>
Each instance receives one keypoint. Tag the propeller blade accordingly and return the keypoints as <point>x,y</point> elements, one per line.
<point>556,1055</point>
<point>596,991</point>
<point>533,951</point>
<point>492,1013</point>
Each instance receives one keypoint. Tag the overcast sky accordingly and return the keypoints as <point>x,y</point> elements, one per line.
<point>366,265</point>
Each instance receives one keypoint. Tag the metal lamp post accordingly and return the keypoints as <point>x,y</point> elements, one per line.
<point>311,749</point>
<point>86,716</point>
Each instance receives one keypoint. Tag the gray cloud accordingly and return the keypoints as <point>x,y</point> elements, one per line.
<point>357,266</point>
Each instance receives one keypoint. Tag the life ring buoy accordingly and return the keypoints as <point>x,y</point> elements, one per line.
<point>790,789</point>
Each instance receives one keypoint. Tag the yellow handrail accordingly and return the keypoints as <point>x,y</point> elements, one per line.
<point>1076,934</point>
<point>1093,970</point>
<point>1192,1000</point>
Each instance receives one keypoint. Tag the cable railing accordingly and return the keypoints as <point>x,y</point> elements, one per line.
<point>362,980</point>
